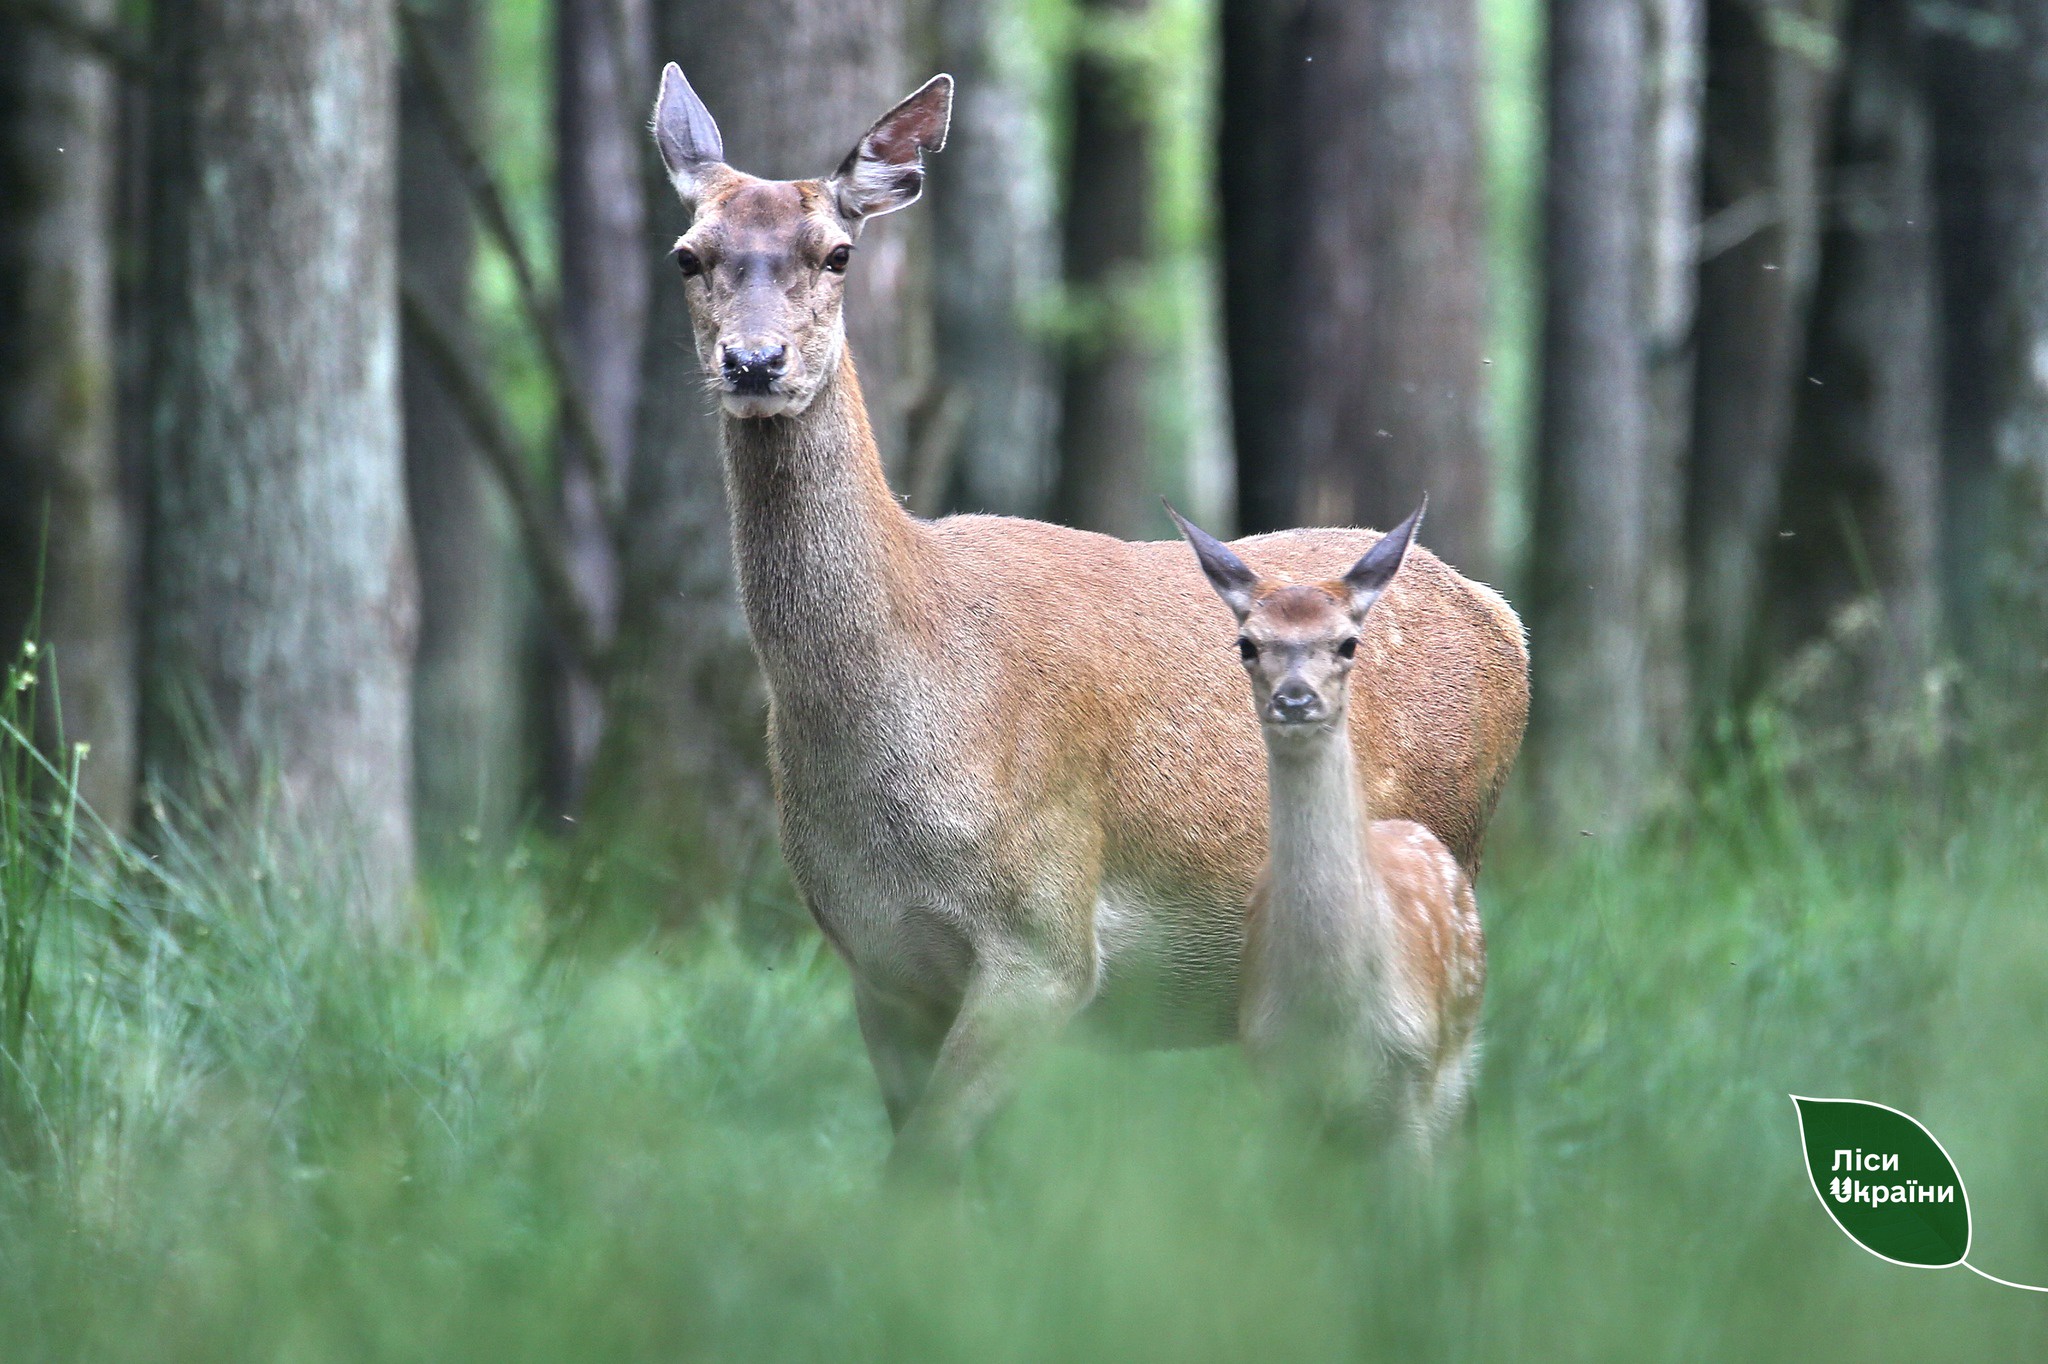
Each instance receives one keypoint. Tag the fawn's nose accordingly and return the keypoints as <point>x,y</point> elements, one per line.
<point>1294,702</point>
<point>753,369</point>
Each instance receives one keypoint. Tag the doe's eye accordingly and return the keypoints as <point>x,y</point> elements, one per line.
<point>836,262</point>
<point>1246,650</point>
<point>686,261</point>
<point>1348,649</point>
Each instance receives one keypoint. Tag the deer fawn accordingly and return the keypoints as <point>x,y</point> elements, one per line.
<point>1364,961</point>
<point>1014,787</point>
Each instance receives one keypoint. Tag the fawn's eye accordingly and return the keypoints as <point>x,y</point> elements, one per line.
<point>1247,650</point>
<point>1348,649</point>
<point>836,262</point>
<point>687,262</point>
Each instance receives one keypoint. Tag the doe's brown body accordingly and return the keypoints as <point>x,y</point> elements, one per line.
<point>1014,773</point>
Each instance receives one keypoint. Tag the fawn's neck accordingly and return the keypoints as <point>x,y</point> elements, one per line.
<point>828,559</point>
<point>1322,887</point>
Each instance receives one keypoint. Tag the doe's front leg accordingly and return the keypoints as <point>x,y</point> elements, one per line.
<point>1012,1008</point>
<point>903,1038</point>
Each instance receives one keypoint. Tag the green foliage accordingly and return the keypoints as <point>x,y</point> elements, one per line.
<point>38,824</point>
<point>516,100</point>
<point>258,1140</point>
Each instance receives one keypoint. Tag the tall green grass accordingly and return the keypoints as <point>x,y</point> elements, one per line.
<point>252,1139</point>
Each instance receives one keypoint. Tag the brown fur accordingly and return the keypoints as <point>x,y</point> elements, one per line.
<point>1442,941</point>
<point>1364,959</point>
<point>1441,944</point>
<point>1016,778</point>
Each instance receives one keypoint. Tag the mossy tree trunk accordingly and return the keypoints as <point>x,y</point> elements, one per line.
<point>280,602</point>
<point>1673,97</point>
<point>1593,753</point>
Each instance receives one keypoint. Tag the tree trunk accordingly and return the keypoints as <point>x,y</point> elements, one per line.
<point>1989,95</point>
<point>1107,480</point>
<point>1769,83</point>
<point>1258,166</point>
<point>1354,271</point>
<point>468,730</point>
<point>1673,94</point>
<point>991,200</point>
<point>679,798</point>
<point>603,61</point>
<point>62,519</point>
<point>281,610</point>
<point>1854,604</point>
<point>1593,753</point>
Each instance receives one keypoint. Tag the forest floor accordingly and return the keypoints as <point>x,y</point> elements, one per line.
<point>234,1135</point>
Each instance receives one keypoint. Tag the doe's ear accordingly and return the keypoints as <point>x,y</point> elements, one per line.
<point>691,147</point>
<point>1229,575</point>
<point>1369,577</point>
<point>885,169</point>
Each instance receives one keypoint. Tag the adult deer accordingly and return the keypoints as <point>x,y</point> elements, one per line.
<point>1014,780</point>
<point>1364,959</point>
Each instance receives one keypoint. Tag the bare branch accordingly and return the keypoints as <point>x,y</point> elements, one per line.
<point>490,203</point>
<point>1734,224</point>
<point>502,451</point>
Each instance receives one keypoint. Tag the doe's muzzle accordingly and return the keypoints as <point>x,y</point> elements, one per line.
<point>1295,702</point>
<point>753,369</point>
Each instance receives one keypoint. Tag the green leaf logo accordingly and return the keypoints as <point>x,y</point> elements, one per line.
<point>1886,1181</point>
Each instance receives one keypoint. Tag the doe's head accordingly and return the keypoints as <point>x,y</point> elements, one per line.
<point>1298,641</point>
<point>765,260</point>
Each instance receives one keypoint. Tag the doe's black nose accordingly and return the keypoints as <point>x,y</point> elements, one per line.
<point>751,369</point>
<point>1294,701</point>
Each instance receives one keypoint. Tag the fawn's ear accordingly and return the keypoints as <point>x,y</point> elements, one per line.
<point>691,148</point>
<point>1229,575</point>
<point>1369,577</point>
<point>885,169</point>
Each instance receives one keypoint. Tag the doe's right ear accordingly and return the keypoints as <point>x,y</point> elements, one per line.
<point>691,148</point>
<point>1229,575</point>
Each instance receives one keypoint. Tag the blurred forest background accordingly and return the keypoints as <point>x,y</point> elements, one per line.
<point>354,471</point>
<point>361,527</point>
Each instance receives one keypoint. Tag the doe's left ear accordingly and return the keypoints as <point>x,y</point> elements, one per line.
<point>885,169</point>
<point>1368,578</point>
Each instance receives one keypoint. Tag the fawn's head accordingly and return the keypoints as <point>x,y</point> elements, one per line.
<point>766,260</point>
<point>1298,641</point>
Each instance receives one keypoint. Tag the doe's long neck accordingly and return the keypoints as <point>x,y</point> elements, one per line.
<point>829,561</point>
<point>1322,884</point>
